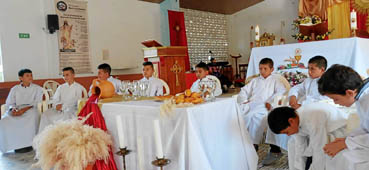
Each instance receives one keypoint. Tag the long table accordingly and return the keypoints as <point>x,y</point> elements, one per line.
<point>353,52</point>
<point>209,136</point>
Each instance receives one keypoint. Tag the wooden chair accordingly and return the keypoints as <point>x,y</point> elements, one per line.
<point>243,70</point>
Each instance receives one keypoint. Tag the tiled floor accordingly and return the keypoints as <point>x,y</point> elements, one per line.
<point>15,161</point>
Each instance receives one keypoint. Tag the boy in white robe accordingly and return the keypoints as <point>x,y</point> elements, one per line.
<point>345,87</point>
<point>312,126</point>
<point>155,85</point>
<point>304,93</point>
<point>64,101</point>
<point>202,74</point>
<point>19,125</point>
<point>255,100</point>
<point>307,91</point>
<point>103,73</point>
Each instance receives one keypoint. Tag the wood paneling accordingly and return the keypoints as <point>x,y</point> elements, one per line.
<point>153,1</point>
<point>84,81</point>
<point>218,6</point>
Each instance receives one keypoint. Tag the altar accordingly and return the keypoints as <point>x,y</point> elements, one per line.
<point>352,52</point>
<point>208,136</point>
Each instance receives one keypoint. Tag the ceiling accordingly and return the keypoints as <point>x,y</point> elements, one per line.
<point>218,6</point>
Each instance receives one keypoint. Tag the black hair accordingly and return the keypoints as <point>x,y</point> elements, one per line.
<point>148,63</point>
<point>339,78</point>
<point>278,118</point>
<point>24,71</point>
<point>68,69</point>
<point>212,59</point>
<point>267,61</point>
<point>106,67</point>
<point>320,61</point>
<point>203,66</point>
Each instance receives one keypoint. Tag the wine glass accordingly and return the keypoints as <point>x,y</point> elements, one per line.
<point>135,89</point>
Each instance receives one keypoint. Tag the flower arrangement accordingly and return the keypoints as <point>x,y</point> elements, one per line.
<point>308,25</point>
<point>307,21</point>
<point>294,78</point>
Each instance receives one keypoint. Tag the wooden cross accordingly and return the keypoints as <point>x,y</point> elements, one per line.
<point>176,69</point>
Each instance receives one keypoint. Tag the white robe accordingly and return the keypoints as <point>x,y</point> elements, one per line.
<point>320,123</point>
<point>155,86</point>
<point>218,88</point>
<point>356,156</point>
<point>18,131</point>
<point>68,96</point>
<point>307,92</point>
<point>259,91</point>
<point>116,83</point>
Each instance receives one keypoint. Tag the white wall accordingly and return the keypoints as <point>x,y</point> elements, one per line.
<point>268,15</point>
<point>117,25</point>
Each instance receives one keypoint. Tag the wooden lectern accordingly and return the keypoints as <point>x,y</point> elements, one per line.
<point>169,64</point>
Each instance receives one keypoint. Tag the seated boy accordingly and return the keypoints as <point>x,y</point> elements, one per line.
<point>312,126</point>
<point>255,100</point>
<point>202,74</point>
<point>155,85</point>
<point>309,88</point>
<point>345,87</point>
<point>19,125</point>
<point>103,73</point>
<point>64,101</point>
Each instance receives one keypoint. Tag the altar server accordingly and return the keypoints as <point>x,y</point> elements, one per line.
<point>312,126</point>
<point>345,87</point>
<point>64,101</point>
<point>255,100</point>
<point>20,123</point>
<point>202,74</point>
<point>103,73</point>
<point>155,84</point>
<point>307,91</point>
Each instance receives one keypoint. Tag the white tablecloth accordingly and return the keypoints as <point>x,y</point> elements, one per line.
<point>210,136</point>
<point>353,52</point>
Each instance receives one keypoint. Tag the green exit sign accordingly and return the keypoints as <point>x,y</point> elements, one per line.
<point>24,35</point>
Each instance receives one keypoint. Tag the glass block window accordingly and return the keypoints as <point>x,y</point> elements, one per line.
<point>206,32</point>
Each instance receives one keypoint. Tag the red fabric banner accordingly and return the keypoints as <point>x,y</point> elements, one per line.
<point>177,32</point>
<point>97,121</point>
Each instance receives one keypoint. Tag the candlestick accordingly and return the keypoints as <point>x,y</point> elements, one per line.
<point>118,120</point>
<point>160,162</point>
<point>159,146</point>
<point>123,152</point>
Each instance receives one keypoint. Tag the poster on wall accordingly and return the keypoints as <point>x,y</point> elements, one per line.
<point>73,35</point>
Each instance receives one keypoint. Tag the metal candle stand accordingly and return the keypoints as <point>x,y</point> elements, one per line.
<point>160,162</point>
<point>123,152</point>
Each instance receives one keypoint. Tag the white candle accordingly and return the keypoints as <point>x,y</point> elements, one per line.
<point>353,20</point>
<point>257,33</point>
<point>159,146</point>
<point>118,120</point>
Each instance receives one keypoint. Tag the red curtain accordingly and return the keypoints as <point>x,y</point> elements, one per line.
<point>177,32</point>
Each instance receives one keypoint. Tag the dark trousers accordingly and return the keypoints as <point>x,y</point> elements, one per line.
<point>309,160</point>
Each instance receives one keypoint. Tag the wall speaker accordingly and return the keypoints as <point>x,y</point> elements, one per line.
<point>52,23</point>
